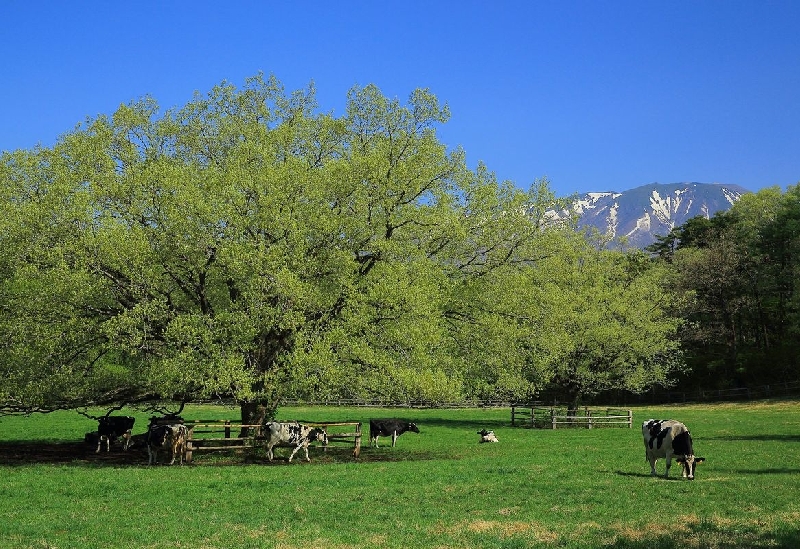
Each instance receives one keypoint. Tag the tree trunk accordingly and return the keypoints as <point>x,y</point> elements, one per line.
<point>256,413</point>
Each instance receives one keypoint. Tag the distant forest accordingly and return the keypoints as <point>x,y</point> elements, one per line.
<point>742,271</point>
<point>249,247</point>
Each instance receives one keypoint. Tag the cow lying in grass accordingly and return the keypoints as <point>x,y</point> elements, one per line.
<point>168,439</point>
<point>293,434</point>
<point>389,427</point>
<point>487,436</point>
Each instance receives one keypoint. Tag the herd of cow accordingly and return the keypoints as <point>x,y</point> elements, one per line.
<point>667,439</point>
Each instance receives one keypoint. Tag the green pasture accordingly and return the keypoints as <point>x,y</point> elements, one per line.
<point>570,488</point>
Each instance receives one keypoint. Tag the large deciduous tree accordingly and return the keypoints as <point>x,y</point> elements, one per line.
<point>609,322</point>
<point>246,245</point>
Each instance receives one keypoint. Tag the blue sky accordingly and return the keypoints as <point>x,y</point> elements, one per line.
<point>595,95</point>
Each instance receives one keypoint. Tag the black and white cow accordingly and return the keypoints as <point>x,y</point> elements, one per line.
<point>667,439</point>
<point>166,438</point>
<point>293,434</point>
<point>110,428</point>
<point>389,427</point>
<point>487,436</point>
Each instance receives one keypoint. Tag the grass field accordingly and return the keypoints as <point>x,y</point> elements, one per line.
<point>570,488</point>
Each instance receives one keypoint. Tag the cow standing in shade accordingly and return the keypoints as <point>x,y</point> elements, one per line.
<point>667,439</point>
<point>110,428</point>
<point>389,427</point>
<point>293,434</point>
<point>166,438</point>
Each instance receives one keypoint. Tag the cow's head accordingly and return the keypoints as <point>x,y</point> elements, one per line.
<point>689,464</point>
<point>318,434</point>
<point>413,427</point>
<point>157,435</point>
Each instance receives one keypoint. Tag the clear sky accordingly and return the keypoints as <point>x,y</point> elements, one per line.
<point>596,95</point>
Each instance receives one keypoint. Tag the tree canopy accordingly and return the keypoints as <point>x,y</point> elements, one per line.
<point>247,246</point>
<point>742,267</point>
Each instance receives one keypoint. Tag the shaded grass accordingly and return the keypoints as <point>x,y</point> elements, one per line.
<point>439,488</point>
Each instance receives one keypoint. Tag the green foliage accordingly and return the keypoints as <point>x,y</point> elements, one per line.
<point>245,245</point>
<point>608,323</point>
<point>742,268</point>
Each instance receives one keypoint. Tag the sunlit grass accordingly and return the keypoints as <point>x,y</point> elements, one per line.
<point>439,488</point>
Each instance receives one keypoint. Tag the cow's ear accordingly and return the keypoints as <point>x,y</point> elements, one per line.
<point>699,460</point>
<point>680,460</point>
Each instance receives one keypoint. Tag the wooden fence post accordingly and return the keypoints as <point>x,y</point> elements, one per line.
<point>630,419</point>
<point>357,449</point>
<point>189,446</point>
<point>512,417</point>
<point>553,417</point>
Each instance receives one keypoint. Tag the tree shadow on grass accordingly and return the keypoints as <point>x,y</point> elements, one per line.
<point>81,454</point>
<point>76,453</point>
<point>758,438</point>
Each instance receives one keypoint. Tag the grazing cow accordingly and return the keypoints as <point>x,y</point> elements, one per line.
<point>667,439</point>
<point>166,438</point>
<point>294,434</point>
<point>389,427</point>
<point>487,436</point>
<point>110,428</point>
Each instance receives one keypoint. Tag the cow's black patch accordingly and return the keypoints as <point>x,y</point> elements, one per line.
<point>660,437</point>
<point>682,444</point>
<point>657,434</point>
<point>114,426</point>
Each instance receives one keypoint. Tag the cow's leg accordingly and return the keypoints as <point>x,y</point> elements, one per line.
<point>99,442</point>
<point>304,447</point>
<point>394,438</point>
<point>269,451</point>
<point>669,464</point>
<point>150,455</point>
<point>126,437</point>
<point>375,439</point>
<point>652,460</point>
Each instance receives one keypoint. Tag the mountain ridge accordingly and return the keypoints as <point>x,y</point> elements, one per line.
<point>639,214</point>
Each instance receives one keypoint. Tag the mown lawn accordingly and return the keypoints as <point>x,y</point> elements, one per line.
<point>573,488</point>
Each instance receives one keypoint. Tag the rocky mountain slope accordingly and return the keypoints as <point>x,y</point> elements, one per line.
<point>641,213</point>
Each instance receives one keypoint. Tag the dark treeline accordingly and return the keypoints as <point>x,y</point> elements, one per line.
<point>742,269</point>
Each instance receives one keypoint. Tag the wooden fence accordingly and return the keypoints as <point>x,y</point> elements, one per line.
<point>543,417</point>
<point>210,435</point>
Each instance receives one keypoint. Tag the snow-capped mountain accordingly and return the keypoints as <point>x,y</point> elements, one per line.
<point>641,213</point>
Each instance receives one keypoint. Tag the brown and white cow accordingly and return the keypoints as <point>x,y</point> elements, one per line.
<point>667,439</point>
<point>293,434</point>
<point>166,438</point>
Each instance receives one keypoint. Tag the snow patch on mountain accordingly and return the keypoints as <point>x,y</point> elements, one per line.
<point>641,213</point>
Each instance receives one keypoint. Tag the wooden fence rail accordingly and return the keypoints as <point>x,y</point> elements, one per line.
<point>536,416</point>
<point>210,435</point>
